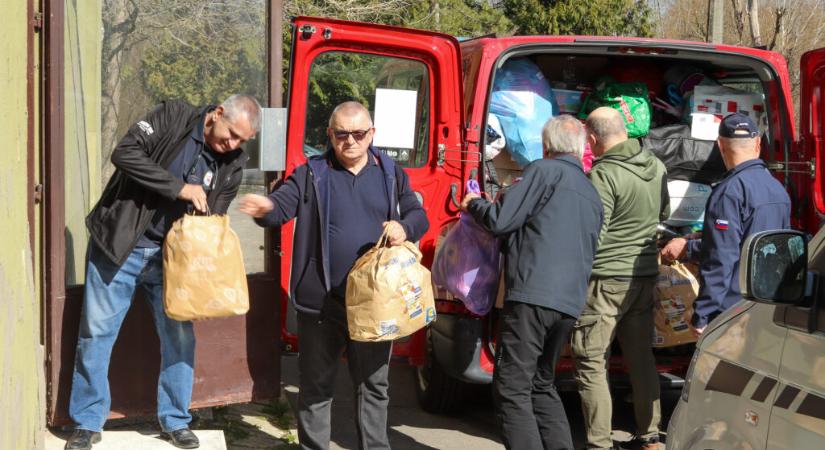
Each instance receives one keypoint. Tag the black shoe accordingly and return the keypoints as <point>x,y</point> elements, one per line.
<point>183,438</point>
<point>82,440</point>
<point>638,443</point>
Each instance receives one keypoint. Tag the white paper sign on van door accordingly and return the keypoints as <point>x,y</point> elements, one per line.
<point>395,118</point>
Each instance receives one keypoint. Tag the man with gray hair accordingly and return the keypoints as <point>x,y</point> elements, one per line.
<point>174,159</point>
<point>632,186</point>
<point>550,221</point>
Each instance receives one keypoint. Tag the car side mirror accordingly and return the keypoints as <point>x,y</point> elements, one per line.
<point>773,267</point>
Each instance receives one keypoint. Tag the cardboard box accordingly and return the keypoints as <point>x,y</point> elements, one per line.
<point>712,103</point>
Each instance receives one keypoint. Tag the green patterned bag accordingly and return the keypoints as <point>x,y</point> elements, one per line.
<point>630,99</point>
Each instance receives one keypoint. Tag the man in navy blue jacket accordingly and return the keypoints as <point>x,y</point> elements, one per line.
<point>748,200</point>
<point>551,220</point>
<point>342,200</point>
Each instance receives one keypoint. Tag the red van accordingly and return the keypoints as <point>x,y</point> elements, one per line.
<point>442,88</point>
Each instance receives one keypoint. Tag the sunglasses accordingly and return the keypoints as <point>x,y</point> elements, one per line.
<point>358,135</point>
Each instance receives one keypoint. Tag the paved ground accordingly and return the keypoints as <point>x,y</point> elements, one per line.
<point>271,426</point>
<point>413,429</point>
<point>410,427</point>
<point>145,440</point>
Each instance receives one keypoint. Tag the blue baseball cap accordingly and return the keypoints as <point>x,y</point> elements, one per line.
<point>738,125</point>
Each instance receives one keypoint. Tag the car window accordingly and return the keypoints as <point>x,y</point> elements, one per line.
<point>377,82</point>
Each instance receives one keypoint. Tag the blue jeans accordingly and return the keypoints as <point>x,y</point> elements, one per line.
<point>108,295</point>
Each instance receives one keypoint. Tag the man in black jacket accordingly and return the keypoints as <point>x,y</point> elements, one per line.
<point>174,158</point>
<point>551,220</point>
<point>342,200</point>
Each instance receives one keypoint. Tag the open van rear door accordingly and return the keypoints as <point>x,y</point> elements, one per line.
<point>812,123</point>
<point>409,79</point>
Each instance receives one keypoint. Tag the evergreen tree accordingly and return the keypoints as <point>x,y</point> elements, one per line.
<point>593,17</point>
<point>463,18</point>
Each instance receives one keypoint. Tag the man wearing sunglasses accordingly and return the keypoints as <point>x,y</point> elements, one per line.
<point>343,200</point>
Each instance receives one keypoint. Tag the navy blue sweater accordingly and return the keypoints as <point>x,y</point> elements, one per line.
<point>748,200</point>
<point>306,195</point>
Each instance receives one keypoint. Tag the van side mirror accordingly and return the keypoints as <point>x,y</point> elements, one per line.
<point>773,267</point>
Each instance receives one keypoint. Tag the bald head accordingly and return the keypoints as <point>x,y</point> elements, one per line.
<point>605,128</point>
<point>738,150</point>
<point>350,134</point>
<point>349,109</point>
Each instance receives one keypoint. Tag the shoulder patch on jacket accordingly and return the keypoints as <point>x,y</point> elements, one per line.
<point>146,127</point>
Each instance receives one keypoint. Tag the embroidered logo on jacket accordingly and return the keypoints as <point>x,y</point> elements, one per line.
<point>721,224</point>
<point>145,127</point>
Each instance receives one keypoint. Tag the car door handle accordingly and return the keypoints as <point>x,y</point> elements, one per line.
<point>454,195</point>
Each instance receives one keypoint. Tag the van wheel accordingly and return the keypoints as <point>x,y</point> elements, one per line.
<point>437,392</point>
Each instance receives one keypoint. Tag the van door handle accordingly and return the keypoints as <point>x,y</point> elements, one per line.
<point>454,195</point>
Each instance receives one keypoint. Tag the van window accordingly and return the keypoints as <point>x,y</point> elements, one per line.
<point>395,90</point>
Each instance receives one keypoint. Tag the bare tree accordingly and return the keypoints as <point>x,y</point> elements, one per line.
<point>131,26</point>
<point>376,11</point>
<point>753,12</point>
<point>788,27</point>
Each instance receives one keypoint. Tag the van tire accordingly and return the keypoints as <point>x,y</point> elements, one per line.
<point>437,391</point>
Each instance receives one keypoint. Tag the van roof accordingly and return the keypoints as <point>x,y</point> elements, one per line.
<point>632,45</point>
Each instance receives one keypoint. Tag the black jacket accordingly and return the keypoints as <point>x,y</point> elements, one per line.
<point>551,219</point>
<point>305,195</point>
<point>141,180</point>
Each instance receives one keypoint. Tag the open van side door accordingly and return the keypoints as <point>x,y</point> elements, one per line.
<point>410,80</point>
<point>812,120</point>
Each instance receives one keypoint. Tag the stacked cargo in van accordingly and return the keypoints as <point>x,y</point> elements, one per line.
<point>463,127</point>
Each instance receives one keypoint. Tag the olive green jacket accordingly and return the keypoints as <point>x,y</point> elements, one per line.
<point>632,185</point>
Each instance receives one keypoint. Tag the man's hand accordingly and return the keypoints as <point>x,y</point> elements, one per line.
<point>465,203</point>
<point>697,331</point>
<point>255,205</point>
<point>194,193</point>
<point>673,250</point>
<point>395,232</point>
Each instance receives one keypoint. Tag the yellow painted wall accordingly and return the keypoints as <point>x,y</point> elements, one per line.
<point>22,405</point>
<point>82,148</point>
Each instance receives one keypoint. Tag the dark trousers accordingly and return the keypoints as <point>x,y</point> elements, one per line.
<point>529,409</point>
<point>323,339</point>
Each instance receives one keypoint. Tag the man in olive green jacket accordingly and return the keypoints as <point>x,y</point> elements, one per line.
<point>632,186</point>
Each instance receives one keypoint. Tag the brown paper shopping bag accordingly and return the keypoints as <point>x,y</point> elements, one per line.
<point>389,293</point>
<point>676,288</point>
<point>203,271</point>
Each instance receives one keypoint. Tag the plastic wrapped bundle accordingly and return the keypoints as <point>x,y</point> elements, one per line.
<point>523,101</point>
<point>467,263</point>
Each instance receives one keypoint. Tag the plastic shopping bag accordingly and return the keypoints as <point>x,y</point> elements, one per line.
<point>630,99</point>
<point>203,270</point>
<point>467,263</point>
<point>523,102</point>
<point>389,293</point>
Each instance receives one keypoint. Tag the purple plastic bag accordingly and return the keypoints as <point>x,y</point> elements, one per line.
<point>467,263</point>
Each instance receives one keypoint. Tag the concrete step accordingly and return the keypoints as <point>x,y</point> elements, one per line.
<point>139,440</point>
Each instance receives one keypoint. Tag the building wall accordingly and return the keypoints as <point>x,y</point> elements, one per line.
<point>22,405</point>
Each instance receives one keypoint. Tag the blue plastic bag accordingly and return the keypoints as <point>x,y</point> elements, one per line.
<point>467,263</point>
<point>523,101</point>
